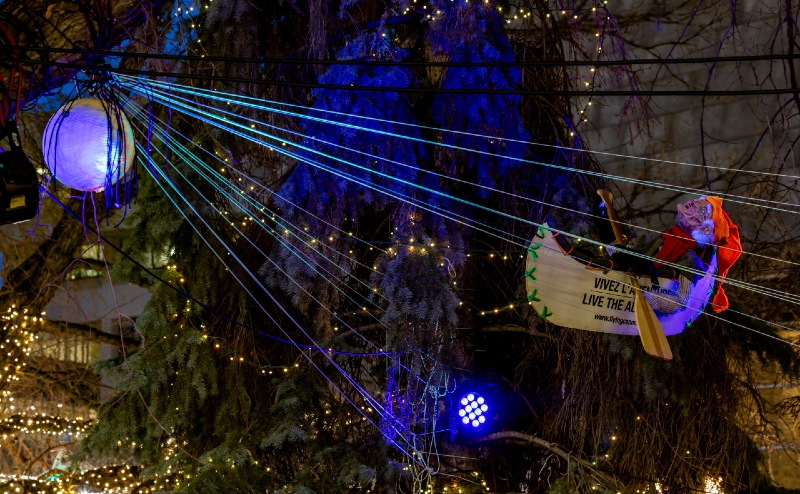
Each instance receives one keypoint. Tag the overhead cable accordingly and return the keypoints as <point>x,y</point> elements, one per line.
<point>423,90</point>
<point>401,63</point>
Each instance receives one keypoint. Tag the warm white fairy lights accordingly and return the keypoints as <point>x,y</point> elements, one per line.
<point>43,424</point>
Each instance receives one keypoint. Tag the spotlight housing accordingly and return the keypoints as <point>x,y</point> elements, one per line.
<point>19,183</point>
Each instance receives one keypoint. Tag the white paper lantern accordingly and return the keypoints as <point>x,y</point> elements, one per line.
<point>84,147</point>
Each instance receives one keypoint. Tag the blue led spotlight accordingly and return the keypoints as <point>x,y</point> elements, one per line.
<point>472,410</point>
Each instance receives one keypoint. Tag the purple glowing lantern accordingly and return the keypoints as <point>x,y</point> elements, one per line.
<point>88,144</point>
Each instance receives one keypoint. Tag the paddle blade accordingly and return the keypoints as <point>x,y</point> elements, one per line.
<point>650,330</point>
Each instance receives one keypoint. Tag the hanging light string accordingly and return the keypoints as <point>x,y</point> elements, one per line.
<point>111,479</point>
<point>237,357</point>
<point>44,424</point>
<point>223,121</point>
<point>270,106</point>
<point>357,387</point>
<point>283,141</point>
<point>348,236</point>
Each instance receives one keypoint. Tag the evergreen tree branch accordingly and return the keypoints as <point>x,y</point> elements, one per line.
<point>88,332</point>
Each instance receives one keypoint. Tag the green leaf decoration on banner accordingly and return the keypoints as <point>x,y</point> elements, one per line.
<point>532,296</point>
<point>529,273</point>
<point>545,314</point>
<point>540,232</point>
<point>532,250</point>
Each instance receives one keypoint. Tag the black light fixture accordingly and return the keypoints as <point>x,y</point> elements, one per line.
<point>19,187</point>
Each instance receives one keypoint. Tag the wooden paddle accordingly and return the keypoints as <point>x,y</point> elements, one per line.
<point>653,338</point>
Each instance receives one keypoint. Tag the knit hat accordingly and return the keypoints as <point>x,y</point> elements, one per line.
<point>729,248</point>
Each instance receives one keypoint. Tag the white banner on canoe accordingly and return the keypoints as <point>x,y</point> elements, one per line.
<point>571,294</point>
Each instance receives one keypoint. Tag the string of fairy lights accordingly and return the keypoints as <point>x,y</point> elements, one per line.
<point>110,479</point>
<point>42,423</point>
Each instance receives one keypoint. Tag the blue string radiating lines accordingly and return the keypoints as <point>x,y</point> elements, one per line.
<point>223,123</point>
<point>232,199</point>
<point>271,106</point>
<point>284,142</point>
<point>401,197</point>
<point>215,95</point>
